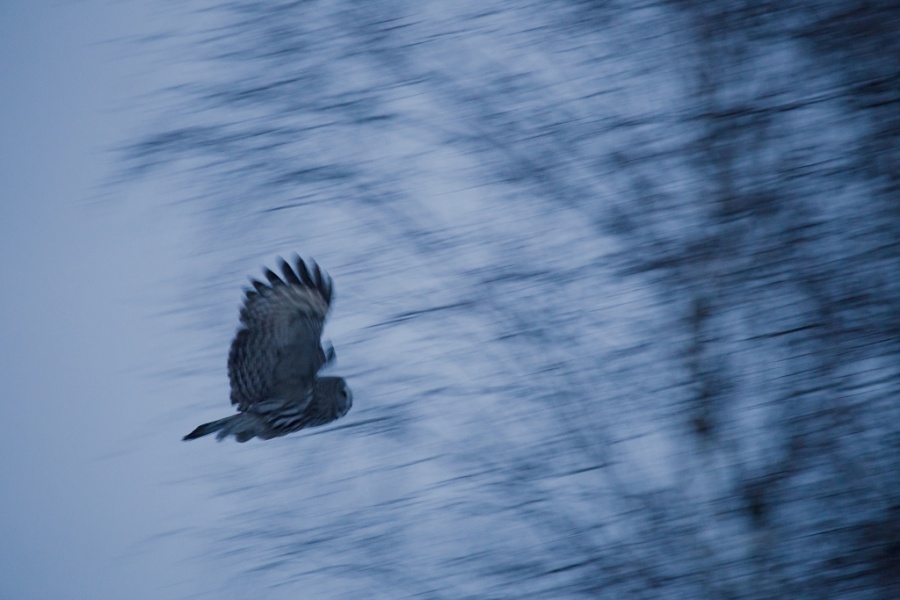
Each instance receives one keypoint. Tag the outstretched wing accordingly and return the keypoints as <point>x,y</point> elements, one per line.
<point>276,352</point>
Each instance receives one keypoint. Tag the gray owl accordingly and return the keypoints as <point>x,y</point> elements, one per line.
<point>275,357</point>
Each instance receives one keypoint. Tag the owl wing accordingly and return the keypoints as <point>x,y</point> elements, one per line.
<point>276,353</point>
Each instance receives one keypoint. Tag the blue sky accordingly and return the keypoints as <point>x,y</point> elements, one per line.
<point>89,497</point>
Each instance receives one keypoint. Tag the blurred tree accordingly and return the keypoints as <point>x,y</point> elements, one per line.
<point>618,281</point>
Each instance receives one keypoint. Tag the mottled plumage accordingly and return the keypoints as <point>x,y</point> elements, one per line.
<point>275,358</point>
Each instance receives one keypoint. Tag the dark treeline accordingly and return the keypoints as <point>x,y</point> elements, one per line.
<point>617,288</point>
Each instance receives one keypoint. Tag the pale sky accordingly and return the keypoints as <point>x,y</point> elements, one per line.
<point>91,505</point>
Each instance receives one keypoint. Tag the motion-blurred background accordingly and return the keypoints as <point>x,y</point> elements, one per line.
<point>616,291</point>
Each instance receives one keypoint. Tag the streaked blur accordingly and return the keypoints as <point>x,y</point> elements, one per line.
<point>616,291</point>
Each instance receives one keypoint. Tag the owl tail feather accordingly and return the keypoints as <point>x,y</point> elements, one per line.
<point>237,425</point>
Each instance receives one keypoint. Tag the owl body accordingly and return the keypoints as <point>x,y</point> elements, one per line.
<point>275,358</point>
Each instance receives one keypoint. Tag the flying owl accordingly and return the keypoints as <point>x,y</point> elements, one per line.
<point>275,358</point>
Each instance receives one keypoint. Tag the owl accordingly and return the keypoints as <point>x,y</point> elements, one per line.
<point>275,358</point>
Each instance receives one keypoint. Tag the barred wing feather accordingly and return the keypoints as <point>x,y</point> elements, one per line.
<point>276,353</point>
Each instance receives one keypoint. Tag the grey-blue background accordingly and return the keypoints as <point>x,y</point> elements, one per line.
<point>616,294</point>
<point>90,498</point>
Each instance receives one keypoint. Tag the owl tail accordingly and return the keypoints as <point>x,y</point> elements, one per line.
<point>238,425</point>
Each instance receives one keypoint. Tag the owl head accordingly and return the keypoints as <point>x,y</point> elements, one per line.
<point>333,395</point>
